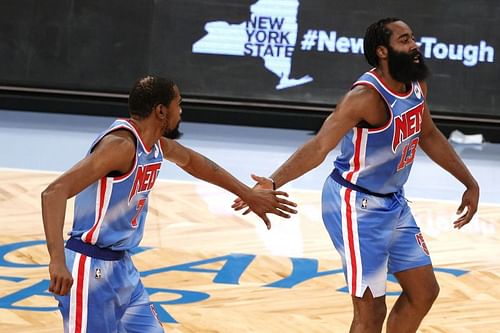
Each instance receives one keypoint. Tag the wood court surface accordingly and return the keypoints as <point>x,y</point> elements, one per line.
<point>249,279</point>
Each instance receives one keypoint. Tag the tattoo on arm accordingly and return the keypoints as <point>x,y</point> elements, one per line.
<point>212,164</point>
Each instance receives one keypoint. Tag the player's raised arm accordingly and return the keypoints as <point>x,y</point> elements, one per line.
<point>351,111</point>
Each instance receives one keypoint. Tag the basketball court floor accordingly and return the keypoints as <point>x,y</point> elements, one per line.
<point>209,269</point>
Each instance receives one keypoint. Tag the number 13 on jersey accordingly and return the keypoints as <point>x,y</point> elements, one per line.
<point>408,154</point>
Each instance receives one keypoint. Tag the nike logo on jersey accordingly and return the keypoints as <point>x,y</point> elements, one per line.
<point>393,103</point>
<point>406,125</point>
<point>145,178</point>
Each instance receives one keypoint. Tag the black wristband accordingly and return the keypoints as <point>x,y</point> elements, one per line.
<point>274,184</point>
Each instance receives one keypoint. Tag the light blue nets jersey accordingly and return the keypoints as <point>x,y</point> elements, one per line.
<point>111,212</point>
<point>380,159</point>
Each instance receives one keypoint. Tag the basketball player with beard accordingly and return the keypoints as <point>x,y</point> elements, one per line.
<point>380,123</point>
<point>92,276</point>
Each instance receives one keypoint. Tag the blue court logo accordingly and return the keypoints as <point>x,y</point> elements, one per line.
<point>229,270</point>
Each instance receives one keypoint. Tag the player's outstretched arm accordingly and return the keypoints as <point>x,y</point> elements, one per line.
<point>114,153</point>
<point>354,108</point>
<point>435,145</point>
<point>349,112</point>
<point>359,104</point>
<point>260,201</point>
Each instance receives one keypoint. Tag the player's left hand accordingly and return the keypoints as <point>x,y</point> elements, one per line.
<point>470,200</point>
<point>265,200</point>
<point>262,183</point>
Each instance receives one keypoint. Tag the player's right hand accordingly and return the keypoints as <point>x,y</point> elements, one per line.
<point>60,278</point>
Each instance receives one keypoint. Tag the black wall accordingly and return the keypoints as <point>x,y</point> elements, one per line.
<point>103,46</point>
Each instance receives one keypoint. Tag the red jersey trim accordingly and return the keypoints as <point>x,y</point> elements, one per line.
<point>136,132</point>
<point>389,121</point>
<point>374,74</point>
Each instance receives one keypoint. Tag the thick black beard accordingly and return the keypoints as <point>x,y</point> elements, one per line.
<point>173,133</point>
<point>403,69</point>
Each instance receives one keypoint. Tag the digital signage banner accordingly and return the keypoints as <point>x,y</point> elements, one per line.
<point>278,51</point>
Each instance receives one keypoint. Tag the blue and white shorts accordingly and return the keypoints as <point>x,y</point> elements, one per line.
<point>373,235</point>
<point>106,296</point>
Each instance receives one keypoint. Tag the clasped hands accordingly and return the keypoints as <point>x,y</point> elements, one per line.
<point>265,200</point>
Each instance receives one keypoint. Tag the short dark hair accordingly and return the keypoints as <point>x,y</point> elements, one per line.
<point>377,34</point>
<point>147,93</point>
